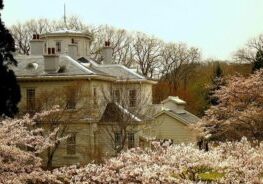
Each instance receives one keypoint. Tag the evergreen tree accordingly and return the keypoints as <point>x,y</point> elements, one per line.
<point>217,82</point>
<point>9,89</point>
<point>259,61</point>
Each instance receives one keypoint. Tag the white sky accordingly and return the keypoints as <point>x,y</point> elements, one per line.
<point>217,27</point>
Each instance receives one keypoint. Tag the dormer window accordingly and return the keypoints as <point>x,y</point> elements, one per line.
<point>58,46</point>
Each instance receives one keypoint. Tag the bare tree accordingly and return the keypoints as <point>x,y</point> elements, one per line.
<point>22,36</point>
<point>72,22</point>
<point>248,53</point>
<point>177,60</point>
<point>147,53</point>
<point>120,41</point>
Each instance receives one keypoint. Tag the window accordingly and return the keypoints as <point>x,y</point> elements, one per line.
<point>130,140</point>
<point>58,47</point>
<point>73,41</point>
<point>45,47</point>
<point>31,99</point>
<point>132,98</point>
<point>95,102</point>
<point>117,139</point>
<point>117,95</point>
<point>71,103</point>
<point>71,144</point>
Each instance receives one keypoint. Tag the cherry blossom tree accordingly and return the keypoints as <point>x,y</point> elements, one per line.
<point>240,111</point>
<point>230,162</point>
<point>21,143</point>
<point>227,162</point>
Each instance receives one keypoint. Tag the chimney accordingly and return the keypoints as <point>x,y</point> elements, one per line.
<point>36,45</point>
<point>73,50</point>
<point>107,53</point>
<point>174,103</point>
<point>51,61</point>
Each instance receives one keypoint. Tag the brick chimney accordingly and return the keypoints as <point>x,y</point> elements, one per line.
<point>36,45</point>
<point>107,52</point>
<point>51,61</point>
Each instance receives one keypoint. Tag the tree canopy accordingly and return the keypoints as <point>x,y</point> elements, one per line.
<point>240,111</point>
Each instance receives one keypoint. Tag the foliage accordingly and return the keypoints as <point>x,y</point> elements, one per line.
<point>217,83</point>
<point>195,91</point>
<point>230,162</point>
<point>210,176</point>
<point>240,111</point>
<point>9,89</point>
<point>251,52</point>
<point>258,61</point>
<point>21,143</point>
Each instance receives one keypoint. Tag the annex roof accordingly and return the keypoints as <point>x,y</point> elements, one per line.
<point>174,99</point>
<point>184,117</point>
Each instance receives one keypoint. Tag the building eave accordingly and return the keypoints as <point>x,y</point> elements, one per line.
<point>82,35</point>
<point>58,78</point>
<point>136,81</point>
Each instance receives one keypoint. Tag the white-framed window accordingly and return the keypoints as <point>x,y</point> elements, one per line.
<point>132,97</point>
<point>31,99</point>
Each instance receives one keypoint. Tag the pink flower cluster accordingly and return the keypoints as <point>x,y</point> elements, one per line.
<point>235,162</point>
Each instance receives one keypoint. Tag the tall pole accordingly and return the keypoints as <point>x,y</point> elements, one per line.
<point>65,17</point>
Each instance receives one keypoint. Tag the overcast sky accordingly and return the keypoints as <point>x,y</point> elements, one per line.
<point>217,27</point>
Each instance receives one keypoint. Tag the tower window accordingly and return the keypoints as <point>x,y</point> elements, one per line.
<point>58,47</point>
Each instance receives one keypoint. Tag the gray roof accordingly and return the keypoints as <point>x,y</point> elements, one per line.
<point>29,66</point>
<point>34,66</point>
<point>186,116</point>
<point>114,112</point>
<point>119,71</point>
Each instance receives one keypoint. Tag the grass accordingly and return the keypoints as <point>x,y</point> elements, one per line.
<point>210,176</point>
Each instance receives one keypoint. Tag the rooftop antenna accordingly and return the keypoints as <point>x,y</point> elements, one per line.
<point>65,16</point>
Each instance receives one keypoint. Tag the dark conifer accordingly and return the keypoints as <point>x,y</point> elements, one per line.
<point>9,88</point>
<point>259,61</point>
<point>217,82</point>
